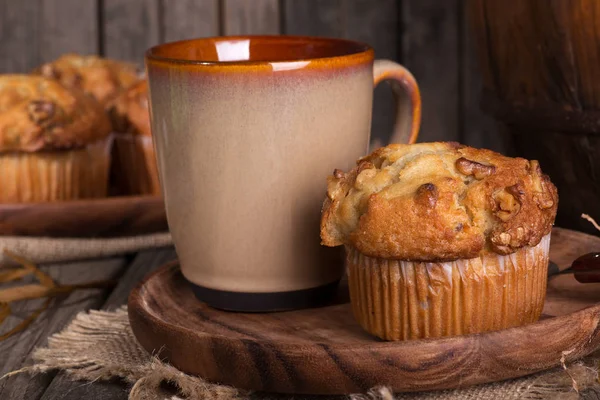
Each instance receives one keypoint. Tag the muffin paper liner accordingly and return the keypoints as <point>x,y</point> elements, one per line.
<point>400,300</point>
<point>134,165</point>
<point>55,175</point>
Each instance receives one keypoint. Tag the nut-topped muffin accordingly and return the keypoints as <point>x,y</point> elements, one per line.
<point>100,77</point>
<point>442,239</point>
<point>129,110</point>
<point>133,168</point>
<point>54,141</point>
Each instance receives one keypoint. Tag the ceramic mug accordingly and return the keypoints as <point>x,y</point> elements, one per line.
<point>246,130</point>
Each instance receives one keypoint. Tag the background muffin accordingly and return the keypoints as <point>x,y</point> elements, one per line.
<point>102,78</point>
<point>133,168</point>
<point>54,141</point>
<point>442,239</point>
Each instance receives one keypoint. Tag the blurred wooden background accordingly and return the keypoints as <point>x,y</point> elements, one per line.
<point>430,37</point>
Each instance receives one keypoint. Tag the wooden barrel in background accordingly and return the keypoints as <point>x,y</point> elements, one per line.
<point>540,61</point>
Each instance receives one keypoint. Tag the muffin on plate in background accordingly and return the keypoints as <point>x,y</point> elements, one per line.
<point>442,239</point>
<point>133,168</point>
<point>101,77</point>
<point>54,142</point>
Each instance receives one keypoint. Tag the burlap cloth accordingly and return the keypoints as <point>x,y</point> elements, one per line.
<point>45,250</point>
<point>100,345</point>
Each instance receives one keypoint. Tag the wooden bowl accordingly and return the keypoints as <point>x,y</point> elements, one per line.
<point>324,351</point>
<point>104,217</point>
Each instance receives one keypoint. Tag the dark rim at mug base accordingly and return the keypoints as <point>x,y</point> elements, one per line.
<point>266,302</point>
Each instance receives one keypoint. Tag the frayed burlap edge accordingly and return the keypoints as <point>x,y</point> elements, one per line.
<point>100,345</point>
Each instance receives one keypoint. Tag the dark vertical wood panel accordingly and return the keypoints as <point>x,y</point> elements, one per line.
<point>377,25</point>
<point>478,129</point>
<point>187,19</point>
<point>430,50</point>
<point>130,27</point>
<point>68,26</point>
<point>313,17</point>
<point>243,17</point>
<point>19,35</point>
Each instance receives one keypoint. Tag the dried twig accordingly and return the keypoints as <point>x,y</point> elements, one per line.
<point>13,275</point>
<point>35,291</point>
<point>593,222</point>
<point>44,278</point>
<point>27,321</point>
<point>4,311</point>
<point>563,363</point>
<point>590,219</point>
<point>46,288</point>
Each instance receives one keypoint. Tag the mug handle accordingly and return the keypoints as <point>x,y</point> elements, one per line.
<point>407,96</point>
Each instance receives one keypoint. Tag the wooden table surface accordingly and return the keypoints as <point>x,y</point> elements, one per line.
<point>15,352</point>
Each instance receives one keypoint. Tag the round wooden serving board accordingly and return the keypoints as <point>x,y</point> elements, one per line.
<point>324,351</point>
<point>103,217</point>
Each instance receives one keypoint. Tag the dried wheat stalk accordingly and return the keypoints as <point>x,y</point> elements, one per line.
<point>46,288</point>
<point>590,219</point>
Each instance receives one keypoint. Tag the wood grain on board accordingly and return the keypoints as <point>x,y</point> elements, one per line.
<point>64,388</point>
<point>430,49</point>
<point>19,35</point>
<point>542,84</point>
<point>476,127</point>
<point>315,18</point>
<point>68,26</point>
<point>17,349</point>
<point>372,25</point>
<point>130,28</point>
<point>188,19</point>
<point>256,17</point>
<point>324,351</point>
<point>106,217</point>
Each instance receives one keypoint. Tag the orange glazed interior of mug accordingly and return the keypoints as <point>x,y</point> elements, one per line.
<point>257,49</point>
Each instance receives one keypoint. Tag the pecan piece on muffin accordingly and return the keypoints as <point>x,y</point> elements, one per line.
<point>100,77</point>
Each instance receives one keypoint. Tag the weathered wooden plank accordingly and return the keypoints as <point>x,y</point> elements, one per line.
<point>130,28</point>
<point>476,128</point>
<point>377,26</point>
<point>19,35</point>
<point>313,18</point>
<point>186,19</point>
<point>68,26</point>
<point>17,349</point>
<point>144,263</point>
<point>592,393</point>
<point>243,17</point>
<point>430,49</point>
<point>64,388</point>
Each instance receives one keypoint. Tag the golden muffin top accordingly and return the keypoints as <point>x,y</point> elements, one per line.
<point>129,111</point>
<point>37,114</point>
<point>438,202</point>
<point>102,78</point>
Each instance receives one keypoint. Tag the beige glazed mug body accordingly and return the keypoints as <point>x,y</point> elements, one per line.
<point>246,129</point>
